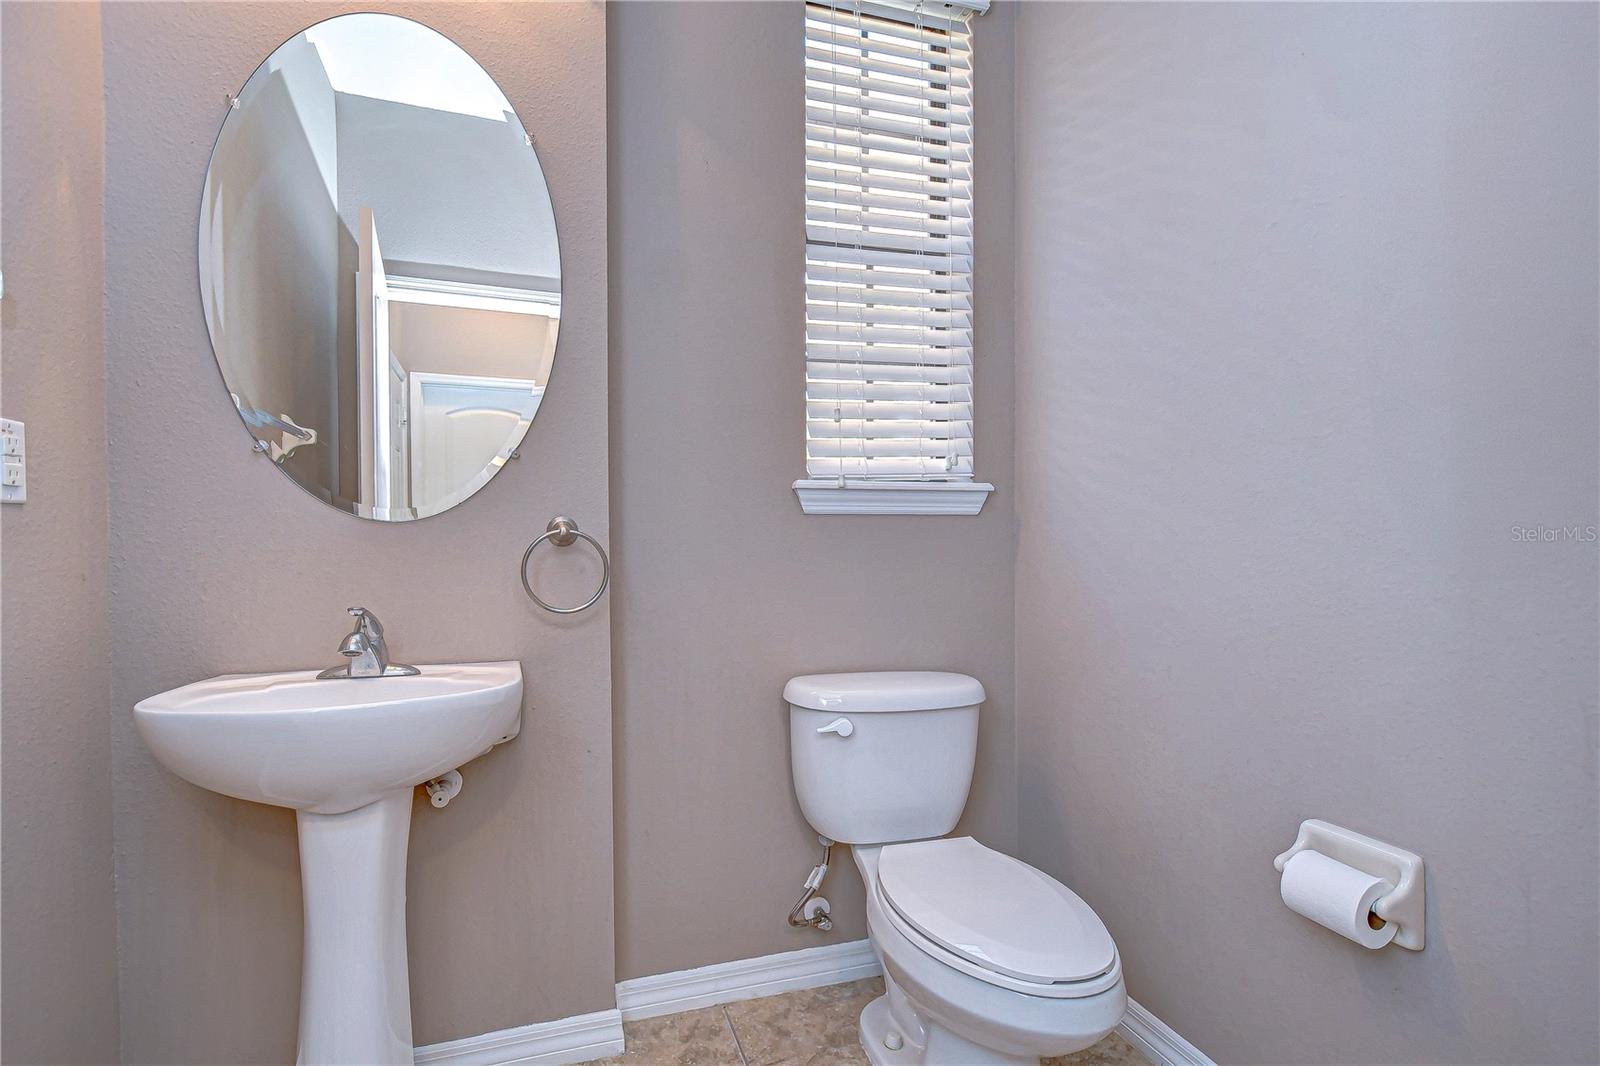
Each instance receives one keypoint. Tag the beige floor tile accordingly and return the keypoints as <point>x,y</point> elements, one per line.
<point>812,1027</point>
<point>693,1038</point>
<point>1112,1051</point>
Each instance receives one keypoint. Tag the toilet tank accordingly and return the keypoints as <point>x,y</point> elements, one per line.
<point>883,757</point>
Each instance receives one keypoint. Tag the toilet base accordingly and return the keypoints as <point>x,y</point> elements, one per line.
<point>921,1042</point>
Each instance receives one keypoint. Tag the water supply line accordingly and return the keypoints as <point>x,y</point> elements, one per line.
<point>811,910</point>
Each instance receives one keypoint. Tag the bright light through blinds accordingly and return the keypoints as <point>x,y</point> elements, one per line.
<point>888,246</point>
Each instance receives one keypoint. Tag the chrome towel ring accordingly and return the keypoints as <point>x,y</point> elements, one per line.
<point>563,531</point>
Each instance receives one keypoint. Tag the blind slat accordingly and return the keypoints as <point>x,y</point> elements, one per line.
<point>914,162</point>
<point>899,316</point>
<point>829,142</point>
<point>887,298</point>
<point>945,94</point>
<point>825,115</point>
<point>897,410</point>
<point>831,195</point>
<point>881,354</point>
<point>863,393</point>
<point>827,379</point>
<point>919,244</point>
<point>858,333</point>
<point>889,469</point>
<point>888,448</point>
<point>829,215</point>
<point>831,96</point>
<point>888,429</point>
<point>855,177</point>
<point>886,392</point>
<point>823,57</point>
<point>852,274</point>
<point>848,256</point>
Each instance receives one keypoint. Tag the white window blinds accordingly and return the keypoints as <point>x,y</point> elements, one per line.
<point>888,245</point>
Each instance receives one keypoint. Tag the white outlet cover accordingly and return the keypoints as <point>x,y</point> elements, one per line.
<point>12,430</point>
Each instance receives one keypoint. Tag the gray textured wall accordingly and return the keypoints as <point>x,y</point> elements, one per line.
<point>58,979</point>
<point>726,589</point>
<point>219,563</point>
<point>1306,324</point>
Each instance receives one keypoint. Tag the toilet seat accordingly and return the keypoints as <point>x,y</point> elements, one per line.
<point>995,918</point>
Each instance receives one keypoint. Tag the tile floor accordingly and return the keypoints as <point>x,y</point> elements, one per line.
<point>814,1027</point>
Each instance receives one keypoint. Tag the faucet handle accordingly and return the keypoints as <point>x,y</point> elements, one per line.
<point>365,619</point>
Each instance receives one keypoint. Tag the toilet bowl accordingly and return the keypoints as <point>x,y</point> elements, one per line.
<point>941,1006</point>
<point>985,959</point>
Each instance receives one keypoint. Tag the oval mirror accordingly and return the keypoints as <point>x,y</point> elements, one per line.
<point>379,267</point>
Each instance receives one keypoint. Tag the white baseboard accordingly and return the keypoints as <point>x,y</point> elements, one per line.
<point>599,1035</point>
<point>1160,1044</point>
<point>729,982</point>
<point>582,1038</point>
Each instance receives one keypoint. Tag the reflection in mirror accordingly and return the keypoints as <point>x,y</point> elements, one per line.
<point>379,267</point>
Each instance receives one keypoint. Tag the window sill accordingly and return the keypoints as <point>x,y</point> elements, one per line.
<point>827,496</point>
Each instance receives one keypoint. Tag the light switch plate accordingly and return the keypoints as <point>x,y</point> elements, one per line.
<point>13,461</point>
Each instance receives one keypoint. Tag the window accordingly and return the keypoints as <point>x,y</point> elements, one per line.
<point>888,282</point>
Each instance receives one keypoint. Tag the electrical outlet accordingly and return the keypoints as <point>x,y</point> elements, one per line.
<point>13,461</point>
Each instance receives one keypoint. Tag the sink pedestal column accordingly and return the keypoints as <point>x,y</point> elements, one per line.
<point>355,993</point>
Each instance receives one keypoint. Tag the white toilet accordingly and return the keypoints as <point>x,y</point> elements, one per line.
<point>985,959</point>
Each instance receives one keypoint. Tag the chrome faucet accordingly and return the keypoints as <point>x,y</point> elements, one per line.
<point>367,651</point>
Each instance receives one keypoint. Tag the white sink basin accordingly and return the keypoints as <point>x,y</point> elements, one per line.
<point>330,746</point>
<point>345,754</point>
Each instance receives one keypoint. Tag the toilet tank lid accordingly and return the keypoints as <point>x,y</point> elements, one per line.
<point>884,690</point>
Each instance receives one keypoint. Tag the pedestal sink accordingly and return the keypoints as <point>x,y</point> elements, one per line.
<point>345,754</point>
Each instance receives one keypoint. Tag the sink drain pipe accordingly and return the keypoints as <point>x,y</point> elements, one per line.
<point>811,910</point>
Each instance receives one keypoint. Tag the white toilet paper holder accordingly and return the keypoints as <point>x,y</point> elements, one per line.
<point>1403,906</point>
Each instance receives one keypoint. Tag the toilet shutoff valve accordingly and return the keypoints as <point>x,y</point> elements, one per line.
<point>811,911</point>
